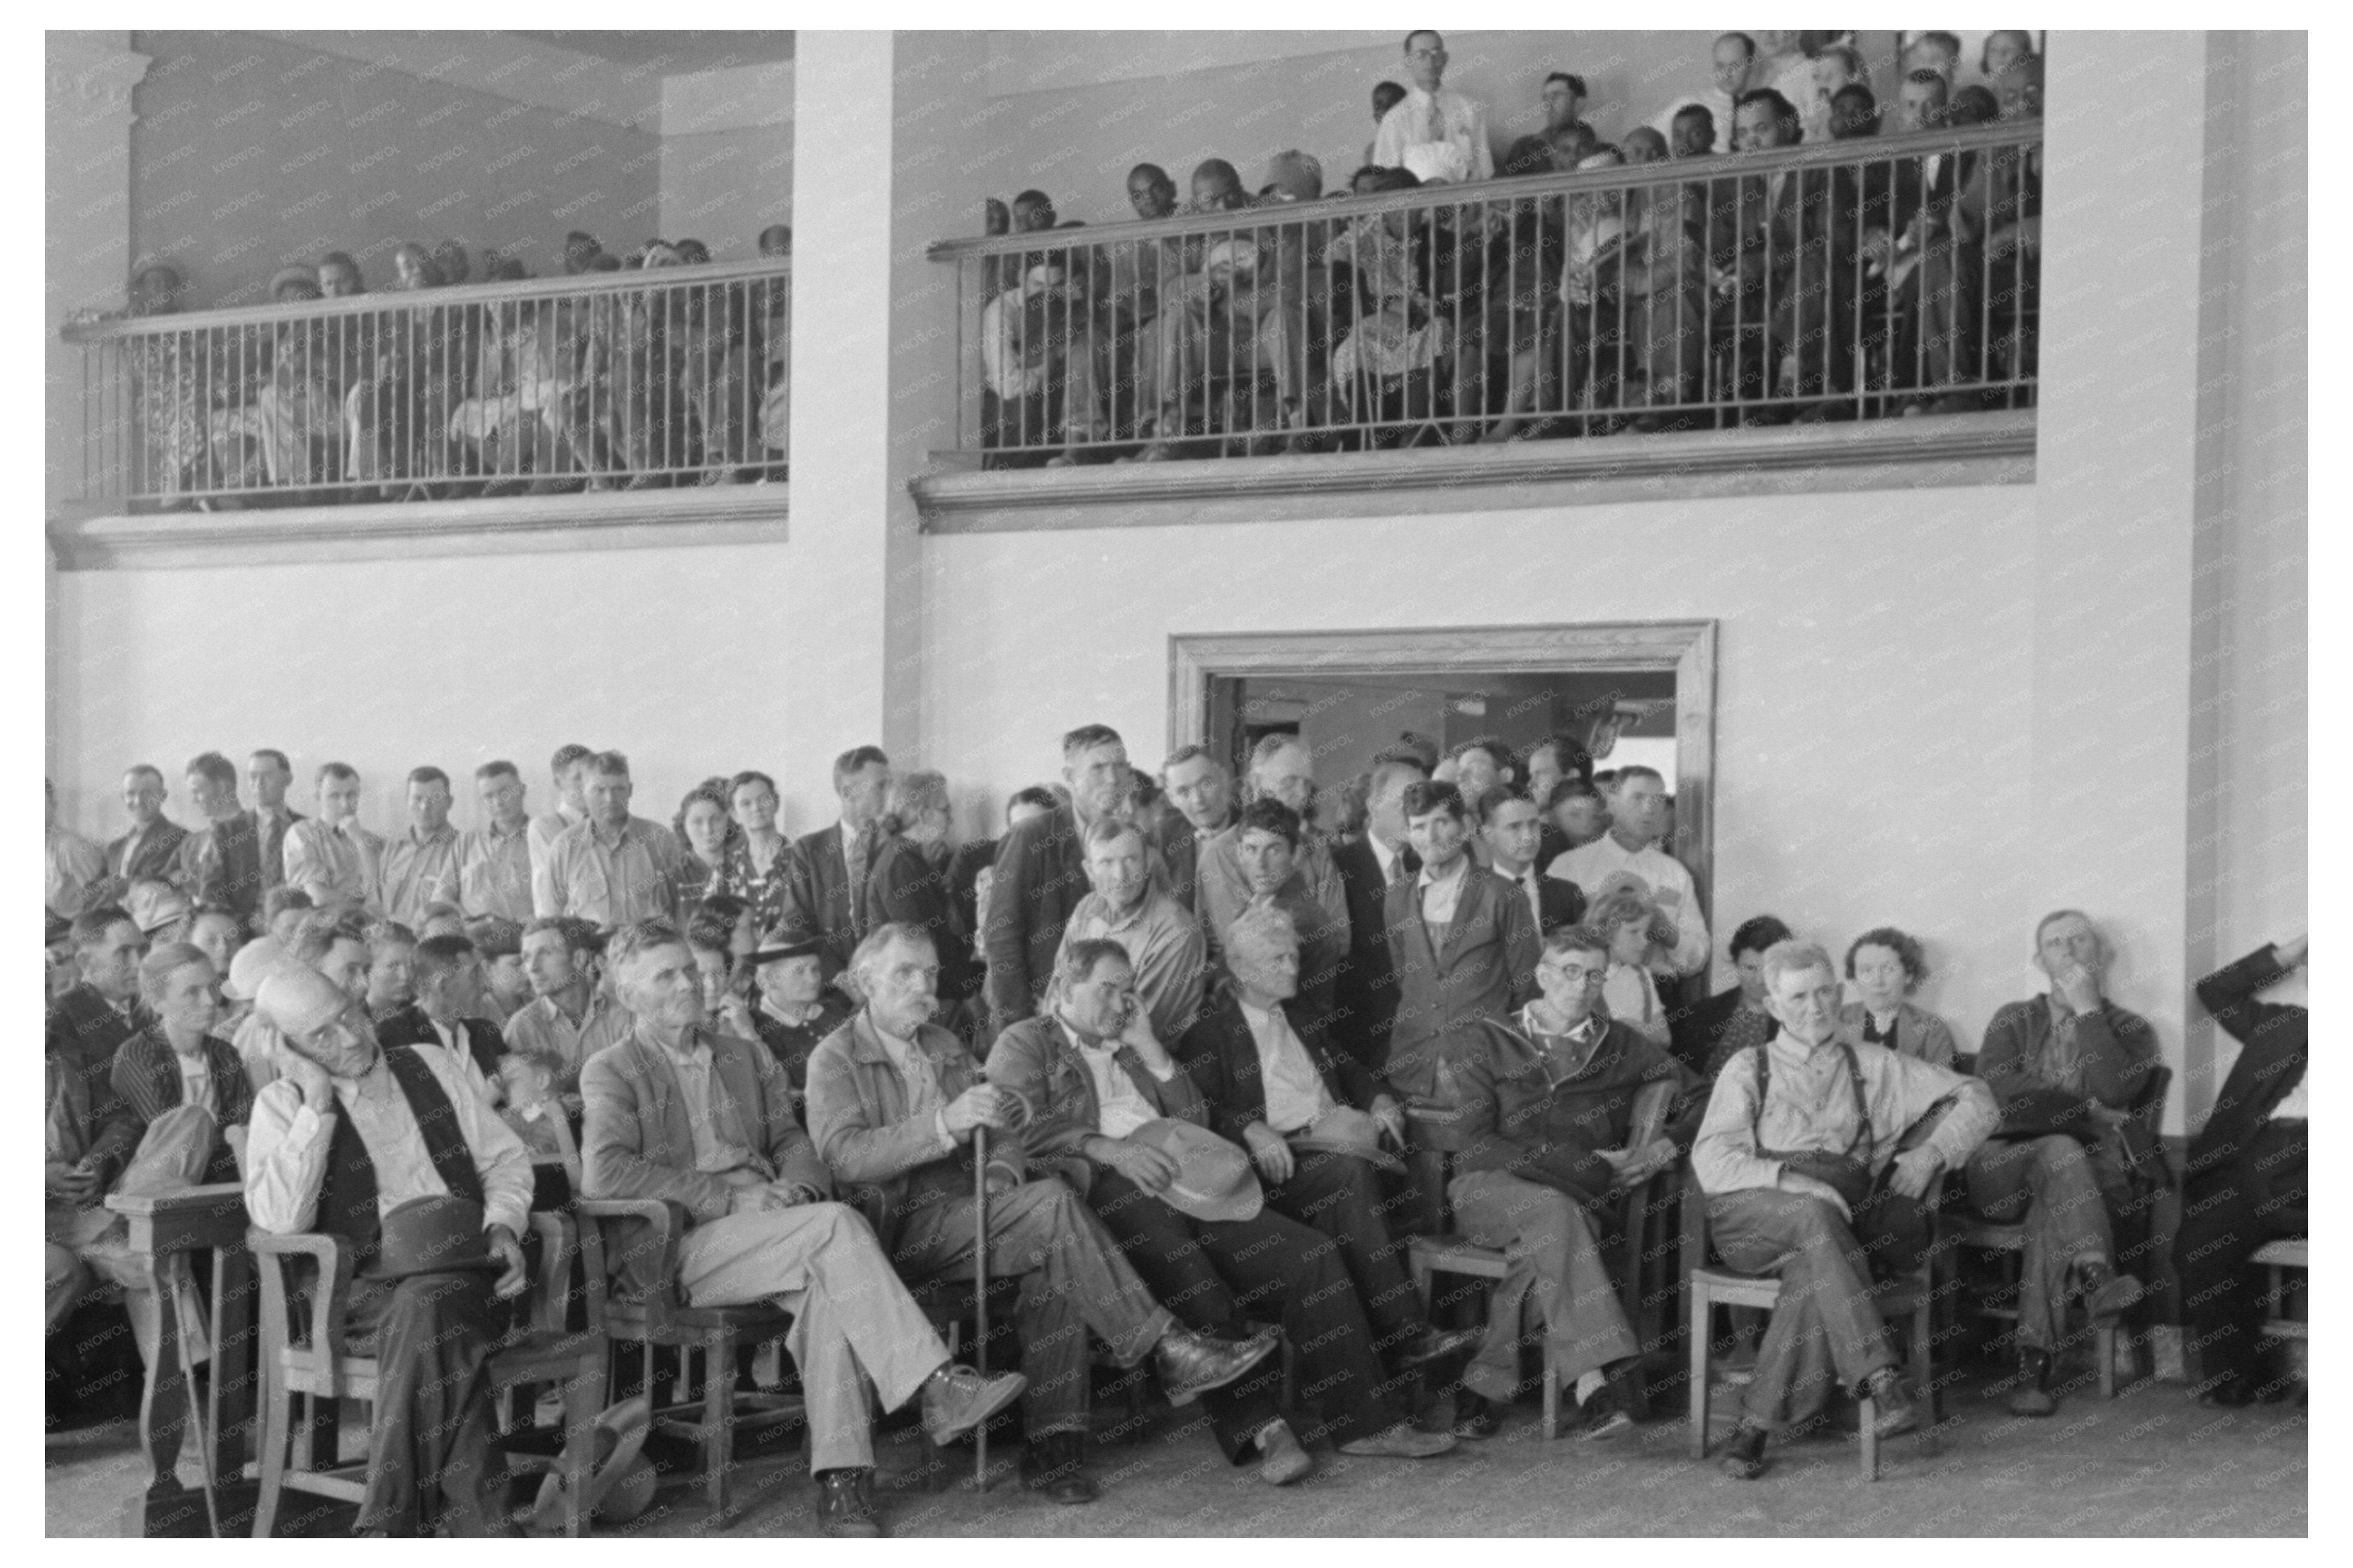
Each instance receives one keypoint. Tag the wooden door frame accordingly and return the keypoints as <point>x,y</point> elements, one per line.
<point>1684,648</point>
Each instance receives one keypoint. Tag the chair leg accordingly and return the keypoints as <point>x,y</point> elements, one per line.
<point>2103,1345</point>
<point>1924,1371</point>
<point>581,1403</point>
<point>1700,1314</point>
<point>718,1413</point>
<point>1422,1283</point>
<point>277,1409</point>
<point>1289,1379</point>
<point>1551,1395</point>
<point>1869,1416</point>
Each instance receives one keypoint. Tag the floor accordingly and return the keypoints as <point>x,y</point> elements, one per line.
<point>2150,1464</point>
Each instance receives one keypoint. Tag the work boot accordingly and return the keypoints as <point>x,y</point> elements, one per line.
<point>1435,1344</point>
<point>844,1508</point>
<point>1743,1457</point>
<point>1191,1364</point>
<point>2107,1293</point>
<point>957,1399</point>
<point>1603,1414</point>
<point>1056,1464</point>
<point>1476,1416</point>
<point>1897,1412</point>
<point>2032,1394</point>
<point>1280,1459</point>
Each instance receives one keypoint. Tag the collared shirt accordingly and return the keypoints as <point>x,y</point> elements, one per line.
<point>610,879</point>
<point>1628,992</point>
<point>196,1080</point>
<point>1452,146</point>
<point>418,870</point>
<point>691,1069</point>
<point>539,1025</point>
<point>1569,1053</point>
<point>1589,864</point>
<point>275,823</point>
<point>541,836</point>
<point>286,1148</point>
<point>1441,890</point>
<point>1526,883</point>
<point>1120,1106</point>
<point>456,1041</point>
<point>494,872</point>
<point>74,863</point>
<point>1164,945</point>
<point>922,1079</point>
<point>332,862</point>
<point>1295,1095</point>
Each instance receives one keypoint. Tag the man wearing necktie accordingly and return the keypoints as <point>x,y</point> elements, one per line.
<point>825,889</point>
<point>269,774</point>
<point>1438,135</point>
<point>1513,830</point>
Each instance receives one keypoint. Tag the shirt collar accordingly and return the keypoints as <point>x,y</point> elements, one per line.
<point>1431,880</point>
<point>769,1009</point>
<point>1109,1047</point>
<point>697,1055</point>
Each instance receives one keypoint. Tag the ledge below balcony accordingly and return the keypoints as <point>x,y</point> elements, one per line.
<point>1931,452</point>
<point>92,539</point>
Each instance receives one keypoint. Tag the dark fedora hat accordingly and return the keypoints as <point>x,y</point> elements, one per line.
<point>785,942</point>
<point>438,1234</point>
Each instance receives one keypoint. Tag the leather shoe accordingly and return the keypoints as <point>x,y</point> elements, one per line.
<point>1743,1457</point>
<point>1896,1411</point>
<point>1191,1364</point>
<point>844,1508</point>
<point>2107,1293</point>
<point>2032,1394</point>
<point>1280,1459</point>
<point>1435,1344</point>
<point>1401,1441</point>
<point>1603,1414</point>
<point>1476,1416</point>
<point>1055,1465</point>
<point>959,1399</point>
<point>2231,1392</point>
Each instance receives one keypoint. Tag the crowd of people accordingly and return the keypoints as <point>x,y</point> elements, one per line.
<point>1886,285</point>
<point>1234,1047</point>
<point>676,382</point>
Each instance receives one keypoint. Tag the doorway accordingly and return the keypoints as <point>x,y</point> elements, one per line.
<point>1636,691</point>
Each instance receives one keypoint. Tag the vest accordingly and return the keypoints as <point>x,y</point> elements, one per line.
<point>347,1193</point>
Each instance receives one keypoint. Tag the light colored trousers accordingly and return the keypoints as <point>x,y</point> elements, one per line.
<point>2051,1186</point>
<point>81,1243</point>
<point>851,1314</point>
<point>1555,1267</point>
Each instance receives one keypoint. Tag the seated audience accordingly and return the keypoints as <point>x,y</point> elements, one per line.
<point>1787,248</point>
<point>796,1009</point>
<point>2247,1172</point>
<point>498,942</point>
<point>334,943</point>
<point>1626,917</point>
<point>282,909</point>
<point>177,1066</point>
<point>1271,853</point>
<point>1799,1155</point>
<point>570,1016</point>
<point>1100,1087</point>
<point>1434,132</point>
<point>1884,966</point>
<point>761,1225</point>
<point>1707,1035</point>
<point>331,856</point>
<point>1162,939</point>
<point>894,1101</point>
<point>1732,62</point>
<point>89,1135</point>
<point>217,934</point>
<point>2067,1068</point>
<point>533,1107</point>
<point>610,868</point>
<point>1546,1133</point>
<point>383,1149</point>
<point>102,1009</point>
<point>1929,262</point>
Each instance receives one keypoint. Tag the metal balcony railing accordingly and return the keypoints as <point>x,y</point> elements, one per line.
<point>609,381</point>
<point>1845,280</point>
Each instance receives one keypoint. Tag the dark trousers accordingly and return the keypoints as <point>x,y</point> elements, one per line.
<point>2225,1215</point>
<point>431,1335</point>
<point>1340,1196</point>
<point>1214,1274</point>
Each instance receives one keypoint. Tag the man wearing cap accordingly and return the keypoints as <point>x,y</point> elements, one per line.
<point>103,1010</point>
<point>681,1112</point>
<point>152,848</point>
<point>570,1014</point>
<point>498,942</point>
<point>1312,1119</point>
<point>894,1101</point>
<point>796,1009</point>
<point>494,859</point>
<point>348,1139</point>
<point>1102,1097</point>
<point>1162,939</point>
<point>1547,1134</point>
<point>74,864</point>
<point>161,911</point>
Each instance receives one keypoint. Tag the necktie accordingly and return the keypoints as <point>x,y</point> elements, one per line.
<point>854,858</point>
<point>1437,120</point>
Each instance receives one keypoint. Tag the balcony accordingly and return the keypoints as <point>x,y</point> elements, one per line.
<point>623,407</point>
<point>1849,315</point>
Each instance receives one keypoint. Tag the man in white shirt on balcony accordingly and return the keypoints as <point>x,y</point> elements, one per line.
<point>1437,135</point>
<point>1637,823</point>
<point>1732,60</point>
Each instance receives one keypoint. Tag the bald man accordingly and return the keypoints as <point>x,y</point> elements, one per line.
<point>350,1133</point>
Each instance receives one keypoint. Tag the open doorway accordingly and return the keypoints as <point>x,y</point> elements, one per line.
<point>1638,692</point>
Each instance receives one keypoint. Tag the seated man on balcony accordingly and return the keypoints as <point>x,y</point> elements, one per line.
<point>893,1103</point>
<point>349,1135</point>
<point>1784,251</point>
<point>679,1112</point>
<point>1799,1155</point>
<point>1037,365</point>
<point>1547,1121</point>
<point>2068,1069</point>
<point>1396,341</point>
<point>1928,256</point>
<point>1232,319</point>
<point>1130,306</point>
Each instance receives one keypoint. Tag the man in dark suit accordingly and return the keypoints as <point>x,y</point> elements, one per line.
<point>1465,947</point>
<point>1513,829</point>
<point>447,977</point>
<point>150,851</point>
<point>220,862</point>
<point>1557,756</point>
<point>103,1009</point>
<point>1041,875</point>
<point>1791,251</point>
<point>1929,263</point>
<point>2246,1171</point>
<point>269,774</point>
<point>1199,786</point>
<point>1365,997</point>
<point>824,888</point>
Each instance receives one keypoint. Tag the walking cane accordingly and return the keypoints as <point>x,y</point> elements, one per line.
<point>980,1292</point>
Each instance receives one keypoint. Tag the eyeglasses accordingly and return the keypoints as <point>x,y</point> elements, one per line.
<point>1573,974</point>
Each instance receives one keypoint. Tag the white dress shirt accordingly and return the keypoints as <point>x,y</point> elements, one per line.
<point>1588,865</point>
<point>1295,1095</point>
<point>1457,152</point>
<point>454,1041</point>
<point>1441,891</point>
<point>286,1149</point>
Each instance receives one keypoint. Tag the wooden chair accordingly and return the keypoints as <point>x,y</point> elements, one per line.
<point>659,1318</point>
<point>2278,1258</point>
<point>1711,1286</point>
<point>1429,1255</point>
<point>322,1370</point>
<point>2006,1242</point>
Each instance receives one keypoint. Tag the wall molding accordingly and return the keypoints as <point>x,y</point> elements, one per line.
<point>96,541</point>
<point>1930,452</point>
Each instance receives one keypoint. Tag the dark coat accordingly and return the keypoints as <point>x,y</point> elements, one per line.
<point>818,897</point>
<point>1365,997</point>
<point>1515,1119</point>
<point>158,858</point>
<point>147,1080</point>
<point>906,886</point>
<point>410,1027</point>
<point>1041,875</point>
<point>1219,1054</point>
<point>85,1024</point>
<point>1485,969</point>
<point>2276,1037</point>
